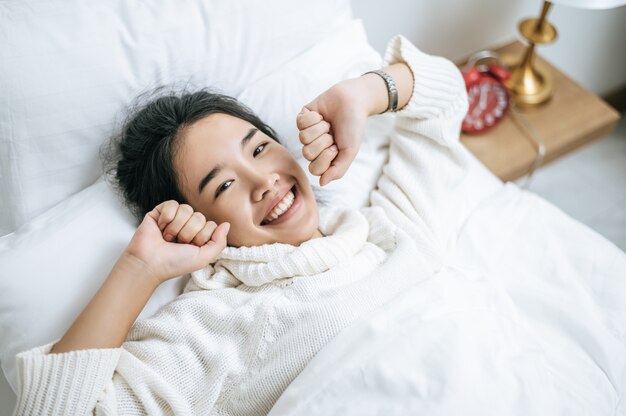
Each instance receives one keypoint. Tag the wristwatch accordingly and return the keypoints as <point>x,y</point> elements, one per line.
<point>391,89</point>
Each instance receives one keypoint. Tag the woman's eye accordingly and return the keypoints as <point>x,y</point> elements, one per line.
<point>222,188</point>
<point>257,151</point>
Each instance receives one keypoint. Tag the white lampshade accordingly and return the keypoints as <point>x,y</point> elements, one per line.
<point>591,4</point>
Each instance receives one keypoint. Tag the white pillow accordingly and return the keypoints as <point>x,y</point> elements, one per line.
<point>67,67</point>
<point>54,264</point>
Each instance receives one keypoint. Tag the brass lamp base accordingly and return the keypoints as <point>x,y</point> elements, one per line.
<point>531,86</point>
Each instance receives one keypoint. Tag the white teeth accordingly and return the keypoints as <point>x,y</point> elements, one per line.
<point>282,207</point>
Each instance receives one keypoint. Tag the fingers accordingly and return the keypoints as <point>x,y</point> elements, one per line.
<point>312,150</point>
<point>179,222</point>
<point>311,133</point>
<point>181,216</point>
<point>323,161</point>
<point>338,167</point>
<point>165,213</point>
<point>204,235</point>
<point>192,227</point>
<point>307,118</point>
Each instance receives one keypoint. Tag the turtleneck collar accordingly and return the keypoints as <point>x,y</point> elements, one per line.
<point>346,231</point>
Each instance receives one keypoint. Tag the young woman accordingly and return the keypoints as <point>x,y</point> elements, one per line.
<point>274,276</point>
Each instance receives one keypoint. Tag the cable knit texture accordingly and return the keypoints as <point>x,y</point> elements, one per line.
<point>249,323</point>
<point>255,266</point>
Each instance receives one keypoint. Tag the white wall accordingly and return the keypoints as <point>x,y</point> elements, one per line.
<point>591,47</point>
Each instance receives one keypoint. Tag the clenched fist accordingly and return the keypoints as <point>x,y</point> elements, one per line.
<point>332,127</point>
<point>173,240</point>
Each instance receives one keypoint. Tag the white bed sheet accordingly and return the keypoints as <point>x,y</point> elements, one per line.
<point>529,318</point>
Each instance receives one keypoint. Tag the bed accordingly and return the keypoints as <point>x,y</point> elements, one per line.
<point>540,328</point>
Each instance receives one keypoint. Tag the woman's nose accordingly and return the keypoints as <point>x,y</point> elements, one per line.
<point>264,184</point>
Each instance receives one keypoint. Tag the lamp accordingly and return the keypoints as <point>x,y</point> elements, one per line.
<point>529,84</point>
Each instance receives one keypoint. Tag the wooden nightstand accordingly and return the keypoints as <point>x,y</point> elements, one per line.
<point>570,119</point>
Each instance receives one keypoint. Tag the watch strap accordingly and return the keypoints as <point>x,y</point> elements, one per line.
<point>392,90</point>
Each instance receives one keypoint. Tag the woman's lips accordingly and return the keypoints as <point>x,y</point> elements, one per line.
<point>297,202</point>
<point>286,197</point>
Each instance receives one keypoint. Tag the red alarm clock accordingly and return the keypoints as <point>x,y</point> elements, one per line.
<point>488,97</point>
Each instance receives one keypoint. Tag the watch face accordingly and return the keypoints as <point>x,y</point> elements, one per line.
<point>488,102</point>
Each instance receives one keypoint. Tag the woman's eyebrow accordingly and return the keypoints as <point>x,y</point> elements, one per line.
<point>213,173</point>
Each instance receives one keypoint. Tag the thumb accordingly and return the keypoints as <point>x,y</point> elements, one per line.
<point>216,244</point>
<point>348,137</point>
<point>338,167</point>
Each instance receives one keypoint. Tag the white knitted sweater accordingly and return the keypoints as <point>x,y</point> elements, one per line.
<point>246,326</point>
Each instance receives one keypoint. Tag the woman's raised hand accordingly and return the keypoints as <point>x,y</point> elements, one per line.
<point>173,240</point>
<point>150,258</point>
<point>332,127</point>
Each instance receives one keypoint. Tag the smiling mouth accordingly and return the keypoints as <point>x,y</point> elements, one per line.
<point>282,207</point>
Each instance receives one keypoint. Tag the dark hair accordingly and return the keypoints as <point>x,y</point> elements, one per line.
<point>139,159</point>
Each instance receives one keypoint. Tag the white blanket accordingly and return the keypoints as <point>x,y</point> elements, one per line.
<point>529,318</point>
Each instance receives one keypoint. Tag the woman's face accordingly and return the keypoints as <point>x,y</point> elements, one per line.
<point>232,172</point>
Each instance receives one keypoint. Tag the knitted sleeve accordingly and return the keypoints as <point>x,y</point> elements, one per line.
<point>63,384</point>
<point>174,362</point>
<point>439,101</point>
<point>424,187</point>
